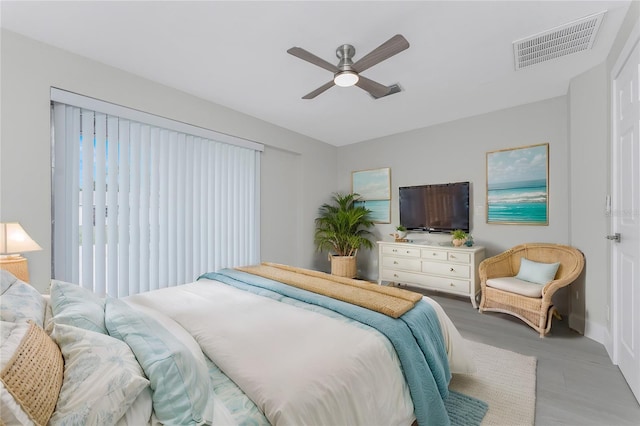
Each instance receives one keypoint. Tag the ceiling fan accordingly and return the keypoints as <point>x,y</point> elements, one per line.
<point>347,72</point>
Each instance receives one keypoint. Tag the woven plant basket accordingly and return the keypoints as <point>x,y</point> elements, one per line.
<point>343,266</point>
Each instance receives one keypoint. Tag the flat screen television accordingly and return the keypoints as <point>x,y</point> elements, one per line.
<point>435,208</point>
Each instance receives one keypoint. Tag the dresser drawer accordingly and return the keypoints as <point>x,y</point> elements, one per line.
<point>448,269</point>
<point>404,277</point>
<point>405,263</point>
<point>458,257</point>
<point>434,254</point>
<point>449,285</point>
<point>401,251</point>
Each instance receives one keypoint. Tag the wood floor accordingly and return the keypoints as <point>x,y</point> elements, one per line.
<point>576,382</point>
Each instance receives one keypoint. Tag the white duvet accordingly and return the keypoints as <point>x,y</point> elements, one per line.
<point>298,366</point>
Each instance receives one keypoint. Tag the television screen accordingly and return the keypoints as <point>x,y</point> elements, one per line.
<point>435,208</point>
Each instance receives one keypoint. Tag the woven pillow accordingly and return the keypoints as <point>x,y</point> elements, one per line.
<point>31,372</point>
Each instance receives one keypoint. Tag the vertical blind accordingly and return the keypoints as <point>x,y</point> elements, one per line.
<point>138,207</point>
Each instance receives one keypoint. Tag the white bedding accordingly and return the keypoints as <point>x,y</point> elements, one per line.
<point>340,374</point>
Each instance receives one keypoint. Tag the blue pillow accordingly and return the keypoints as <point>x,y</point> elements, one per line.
<point>77,306</point>
<point>537,272</point>
<point>180,385</point>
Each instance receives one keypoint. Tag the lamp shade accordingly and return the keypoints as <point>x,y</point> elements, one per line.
<point>14,239</point>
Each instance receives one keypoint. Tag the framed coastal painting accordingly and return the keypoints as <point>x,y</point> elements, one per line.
<point>518,185</point>
<point>374,187</point>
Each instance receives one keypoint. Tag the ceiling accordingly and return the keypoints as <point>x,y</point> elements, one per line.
<point>460,62</point>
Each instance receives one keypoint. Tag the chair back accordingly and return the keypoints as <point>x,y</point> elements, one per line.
<point>571,259</point>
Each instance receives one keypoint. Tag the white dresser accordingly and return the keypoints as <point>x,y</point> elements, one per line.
<point>434,267</point>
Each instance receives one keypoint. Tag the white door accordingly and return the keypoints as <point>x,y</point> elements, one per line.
<point>625,216</point>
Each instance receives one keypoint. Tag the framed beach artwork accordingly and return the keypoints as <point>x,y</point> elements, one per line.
<point>374,187</point>
<point>518,185</point>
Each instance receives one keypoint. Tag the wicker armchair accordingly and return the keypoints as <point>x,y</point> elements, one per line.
<point>537,312</point>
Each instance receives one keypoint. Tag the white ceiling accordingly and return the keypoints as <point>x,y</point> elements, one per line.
<point>233,53</point>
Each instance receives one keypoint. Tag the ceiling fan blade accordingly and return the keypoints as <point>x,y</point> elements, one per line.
<point>310,57</point>
<point>319,90</point>
<point>394,45</point>
<point>377,90</point>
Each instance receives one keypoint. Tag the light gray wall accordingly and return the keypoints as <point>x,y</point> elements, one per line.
<point>456,151</point>
<point>589,224</point>
<point>290,163</point>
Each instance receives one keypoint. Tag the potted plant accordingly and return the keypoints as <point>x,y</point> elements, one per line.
<point>342,229</point>
<point>400,233</point>
<point>458,237</point>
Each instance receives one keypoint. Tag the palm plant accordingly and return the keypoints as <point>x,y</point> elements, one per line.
<point>342,226</point>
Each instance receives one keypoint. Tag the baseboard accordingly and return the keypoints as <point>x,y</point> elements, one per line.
<point>593,331</point>
<point>577,323</point>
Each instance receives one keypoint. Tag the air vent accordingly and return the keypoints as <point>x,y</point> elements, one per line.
<point>564,40</point>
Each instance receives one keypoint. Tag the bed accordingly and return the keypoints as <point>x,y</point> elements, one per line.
<point>236,347</point>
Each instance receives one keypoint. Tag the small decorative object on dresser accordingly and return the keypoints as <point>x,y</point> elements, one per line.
<point>400,235</point>
<point>448,269</point>
<point>458,237</point>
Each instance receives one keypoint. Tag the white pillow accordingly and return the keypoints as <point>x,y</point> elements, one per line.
<point>102,378</point>
<point>11,413</point>
<point>140,411</point>
<point>20,301</point>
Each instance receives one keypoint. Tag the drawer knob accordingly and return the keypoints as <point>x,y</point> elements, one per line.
<point>433,254</point>
<point>408,252</point>
<point>395,262</point>
<point>452,270</point>
<point>394,250</point>
<point>452,284</point>
<point>453,257</point>
<point>395,275</point>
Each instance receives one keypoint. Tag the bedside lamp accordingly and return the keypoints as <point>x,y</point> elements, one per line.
<point>13,241</point>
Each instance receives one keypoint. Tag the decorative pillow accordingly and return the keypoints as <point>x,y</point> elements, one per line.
<point>180,386</point>
<point>101,377</point>
<point>77,306</point>
<point>176,330</point>
<point>31,372</point>
<point>140,411</point>
<point>48,314</point>
<point>11,413</point>
<point>537,272</point>
<point>6,280</point>
<point>20,301</point>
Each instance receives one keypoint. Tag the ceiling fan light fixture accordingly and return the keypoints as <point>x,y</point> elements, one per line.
<point>346,78</point>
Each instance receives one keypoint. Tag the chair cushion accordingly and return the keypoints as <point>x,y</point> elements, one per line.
<point>515,285</point>
<point>537,272</point>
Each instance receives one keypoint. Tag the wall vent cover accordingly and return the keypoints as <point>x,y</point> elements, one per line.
<point>564,40</point>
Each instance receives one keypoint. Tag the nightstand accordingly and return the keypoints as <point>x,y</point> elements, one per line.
<point>17,266</point>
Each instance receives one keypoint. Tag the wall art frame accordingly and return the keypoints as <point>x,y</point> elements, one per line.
<point>518,185</point>
<point>374,188</point>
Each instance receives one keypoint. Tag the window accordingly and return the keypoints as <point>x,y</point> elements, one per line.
<point>141,202</point>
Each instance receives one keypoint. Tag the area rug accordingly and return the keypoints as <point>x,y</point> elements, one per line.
<point>505,380</point>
